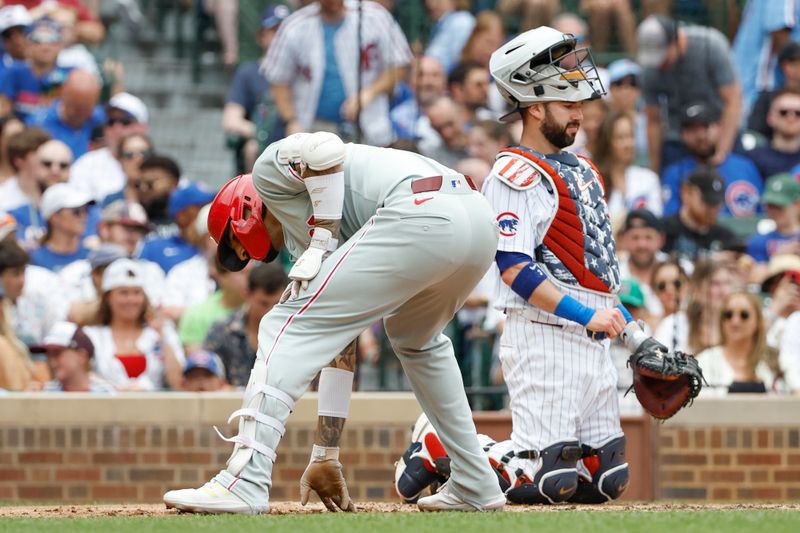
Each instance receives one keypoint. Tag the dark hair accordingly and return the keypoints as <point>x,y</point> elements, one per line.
<point>12,255</point>
<point>164,163</point>
<point>460,72</point>
<point>498,131</point>
<point>23,143</point>
<point>269,278</point>
<point>662,265</point>
<point>783,91</point>
<point>603,149</point>
<point>104,315</point>
<point>127,138</point>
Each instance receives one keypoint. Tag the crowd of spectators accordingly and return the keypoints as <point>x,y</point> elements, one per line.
<point>109,281</point>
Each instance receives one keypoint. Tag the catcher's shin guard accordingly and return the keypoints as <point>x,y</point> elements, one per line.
<point>557,477</point>
<point>423,463</point>
<point>609,472</point>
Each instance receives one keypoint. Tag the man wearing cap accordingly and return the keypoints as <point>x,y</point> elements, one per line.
<point>781,200</point>
<point>701,134</point>
<point>683,65</point>
<point>69,353</point>
<point>75,114</point>
<point>184,204</point>
<point>782,153</point>
<point>65,210</point>
<point>693,231</point>
<point>30,86</point>
<point>250,115</point>
<point>203,372</point>
<point>14,22</point>
<point>789,65</point>
<point>98,172</point>
<point>642,240</point>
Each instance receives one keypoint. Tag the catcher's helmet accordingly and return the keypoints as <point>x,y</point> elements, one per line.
<point>543,65</point>
<point>237,206</point>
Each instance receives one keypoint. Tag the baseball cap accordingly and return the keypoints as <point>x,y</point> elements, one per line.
<point>13,17</point>
<point>131,105</point>
<point>105,254</point>
<point>126,213</point>
<point>630,292</point>
<point>63,336</point>
<point>781,190</point>
<point>191,194</point>
<point>653,36</point>
<point>8,225</point>
<point>642,218</point>
<point>62,196</point>
<point>45,30</point>
<point>122,273</point>
<point>699,113</point>
<point>201,222</point>
<point>206,360</point>
<point>273,16</point>
<point>789,52</point>
<point>622,68</point>
<point>710,183</point>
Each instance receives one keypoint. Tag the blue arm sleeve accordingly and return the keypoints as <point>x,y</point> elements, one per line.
<point>505,260</point>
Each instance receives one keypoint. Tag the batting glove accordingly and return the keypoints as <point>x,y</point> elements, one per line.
<point>324,477</point>
<point>307,267</point>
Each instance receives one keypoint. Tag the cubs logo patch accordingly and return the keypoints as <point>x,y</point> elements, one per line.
<point>508,223</point>
<point>741,197</point>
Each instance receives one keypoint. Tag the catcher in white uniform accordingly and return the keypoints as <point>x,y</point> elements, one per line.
<point>418,239</point>
<point>558,278</point>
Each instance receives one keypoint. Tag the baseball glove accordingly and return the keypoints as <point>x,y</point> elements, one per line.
<point>664,382</point>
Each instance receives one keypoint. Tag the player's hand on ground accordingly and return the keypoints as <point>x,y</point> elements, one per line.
<point>326,480</point>
<point>608,321</point>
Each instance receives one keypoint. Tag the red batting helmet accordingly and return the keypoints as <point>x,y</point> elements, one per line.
<point>238,206</point>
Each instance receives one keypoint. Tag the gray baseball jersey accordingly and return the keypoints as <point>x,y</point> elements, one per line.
<point>411,258</point>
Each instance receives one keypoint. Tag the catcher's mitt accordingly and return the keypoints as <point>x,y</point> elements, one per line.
<point>664,382</point>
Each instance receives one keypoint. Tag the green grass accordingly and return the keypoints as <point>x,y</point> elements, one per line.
<point>772,521</point>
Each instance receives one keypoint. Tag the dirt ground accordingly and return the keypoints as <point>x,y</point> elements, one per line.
<point>279,508</point>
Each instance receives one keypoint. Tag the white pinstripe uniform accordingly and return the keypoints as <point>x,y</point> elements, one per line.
<point>297,59</point>
<point>411,258</point>
<point>562,384</point>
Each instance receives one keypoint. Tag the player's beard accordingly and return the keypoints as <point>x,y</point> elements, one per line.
<point>554,132</point>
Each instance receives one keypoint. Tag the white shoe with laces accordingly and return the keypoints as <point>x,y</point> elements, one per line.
<point>444,500</point>
<point>211,498</point>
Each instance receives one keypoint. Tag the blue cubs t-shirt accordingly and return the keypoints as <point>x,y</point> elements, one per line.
<point>29,94</point>
<point>44,257</point>
<point>76,138</point>
<point>762,247</point>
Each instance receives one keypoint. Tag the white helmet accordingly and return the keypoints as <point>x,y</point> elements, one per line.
<point>542,65</point>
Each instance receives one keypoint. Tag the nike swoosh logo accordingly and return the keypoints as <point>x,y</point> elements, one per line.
<point>565,490</point>
<point>583,185</point>
<point>418,201</point>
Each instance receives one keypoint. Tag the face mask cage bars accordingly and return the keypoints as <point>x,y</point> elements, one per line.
<point>575,65</point>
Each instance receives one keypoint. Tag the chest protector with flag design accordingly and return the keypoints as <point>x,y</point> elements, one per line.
<point>578,247</point>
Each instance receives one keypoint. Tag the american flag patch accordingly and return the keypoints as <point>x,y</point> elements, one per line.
<point>516,172</point>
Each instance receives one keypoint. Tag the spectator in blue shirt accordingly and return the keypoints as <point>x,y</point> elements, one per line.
<point>65,209</point>
<point>30,86</point>
<point>184,204</point>
<point>72,117</point>
<point>14,23</point>
<point>700,133</point>
<point>450,31</point>
<point>250,113</point>
<point>781,200</point>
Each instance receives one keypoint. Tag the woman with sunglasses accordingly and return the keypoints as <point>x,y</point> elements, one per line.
<point>741,362</point>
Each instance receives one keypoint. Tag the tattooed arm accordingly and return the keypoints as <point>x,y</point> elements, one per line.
<point>323,474</point>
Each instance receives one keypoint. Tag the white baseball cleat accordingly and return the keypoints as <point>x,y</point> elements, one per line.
<point>211,498</point>
<point>444,500</point>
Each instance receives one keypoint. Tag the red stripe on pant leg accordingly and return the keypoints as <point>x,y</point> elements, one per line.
<point>316,294</point>
<point>233,483</point>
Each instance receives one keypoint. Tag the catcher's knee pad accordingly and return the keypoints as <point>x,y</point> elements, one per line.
<point>609,473</point>
<point>423,463</point>
<point>557,477</point>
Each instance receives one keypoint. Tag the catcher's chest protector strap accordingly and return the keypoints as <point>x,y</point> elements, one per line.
<point>565,235</point>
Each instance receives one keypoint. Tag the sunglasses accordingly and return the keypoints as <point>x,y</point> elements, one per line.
<point>141,153</point>
<point>63,165</point>
<point>77,211</point>
<point>728,314</point>
<point>125,121</point>
<point>625,82</point>
<point>661,286</point>
<point>785,112</point>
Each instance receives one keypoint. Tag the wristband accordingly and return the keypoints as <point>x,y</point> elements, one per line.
<point>324,453</point>
<point>527,280</point>
<point>573,310</point>
<point>625,313</point>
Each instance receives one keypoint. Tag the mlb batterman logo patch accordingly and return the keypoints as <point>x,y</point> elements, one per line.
<point>508,223</point>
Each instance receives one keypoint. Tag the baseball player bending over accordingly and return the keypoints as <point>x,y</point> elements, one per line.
<point>418,238</point>
<point>558,279</point>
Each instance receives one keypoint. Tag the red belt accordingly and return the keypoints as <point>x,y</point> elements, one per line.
<point>434,183</point>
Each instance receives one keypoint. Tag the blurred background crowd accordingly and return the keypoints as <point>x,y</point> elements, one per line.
<point>108,277</point>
